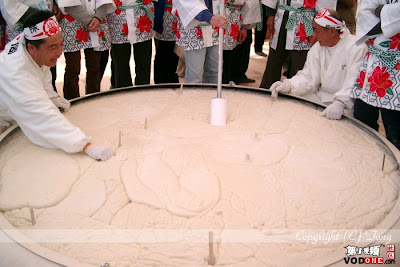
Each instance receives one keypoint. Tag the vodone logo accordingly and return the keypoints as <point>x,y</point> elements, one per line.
<point>370,255</point>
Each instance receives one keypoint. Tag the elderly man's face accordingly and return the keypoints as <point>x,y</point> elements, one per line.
<point>326,37</point>
<point>49,51</point>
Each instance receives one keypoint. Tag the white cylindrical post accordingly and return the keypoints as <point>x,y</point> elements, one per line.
<point>218,112</point>
<point>220,50</point>
<point>218,105</point>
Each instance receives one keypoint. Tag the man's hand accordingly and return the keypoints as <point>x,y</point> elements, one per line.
<point>102,153</point>
<point>334,111</point>
<point>270,24</point>
<point>94,25</point>
<point>61,102</point>
<point>219,21</point>
<point>242,35</point>
<point>282,87</point>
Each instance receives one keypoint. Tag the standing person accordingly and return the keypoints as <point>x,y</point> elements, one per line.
<point>377,87</point>
<point>291,28</point>
<point>199,39</point>
<point>84,27</point>
<point>331,67</point>
<point>261,32</point>
<point>201,20</point>
<point>26,94</point>
<point>130,26</point>
<point>236,61</point>
<point>243,15</point>
<point>165,60</point>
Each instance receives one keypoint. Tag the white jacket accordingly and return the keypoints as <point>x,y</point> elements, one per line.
<point>25,92</point>
<point>330,73</point>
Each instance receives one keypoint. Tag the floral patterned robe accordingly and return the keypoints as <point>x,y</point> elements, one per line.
<point>132,22</point>
<point>378,81</point>
<point>296,38</point>
<point>205,35</point>
<point>77,36</point>
<point>170,24</point>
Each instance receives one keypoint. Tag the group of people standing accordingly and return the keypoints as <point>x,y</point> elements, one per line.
<point>359,73</point>
<point>325,61</point>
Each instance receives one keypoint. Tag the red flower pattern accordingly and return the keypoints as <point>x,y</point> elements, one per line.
<point>118,12</point>
<point>125,29</point>
<point>144,24</point>
<point>361,79</point>
<point>118,3</point>
<point>302,33</point>
<point>309,4</point>
<point>216,29</point>
<point>82,36</point>
<point>234,31</point>
<point>168,9</point>
<point>146,2</point>
<point>370,42</point>
<point>175,29</point>
<point>199,33</point>
<point>395,42</point>
<point>101,34</point>
<point>398,66</point>
<point>69,17</point>
<point>380,81</point>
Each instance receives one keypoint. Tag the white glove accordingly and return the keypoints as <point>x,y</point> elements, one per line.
<point>61,102</point>
<point>282,87</point>
<point>334,111</point>
<point>102,153</point>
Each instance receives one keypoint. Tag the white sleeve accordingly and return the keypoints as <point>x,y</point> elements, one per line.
<point>308,80</point>
<point>107,5</point>
<point>68,3</point>
<point>390,20</point>
<point>366,20</point>
<point>38,117</point>
<point>48,85</point>
<point>188,10</point>
<point>12,10</point>
<point>270,3</point>
<point>355,58</point>
<point>251,13</point>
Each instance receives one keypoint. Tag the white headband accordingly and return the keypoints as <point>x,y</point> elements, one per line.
<point>42,30</point>
<point>325,19</point>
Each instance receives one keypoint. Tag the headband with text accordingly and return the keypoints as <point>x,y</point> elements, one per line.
<point>42,30</point>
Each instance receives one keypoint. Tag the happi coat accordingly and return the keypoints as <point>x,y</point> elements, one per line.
<point>132,22</point>
<point>170,24</point>
<point>378,81</point>
<point>193,34</point>
<point>76,35</point>
<point>299,24</point>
